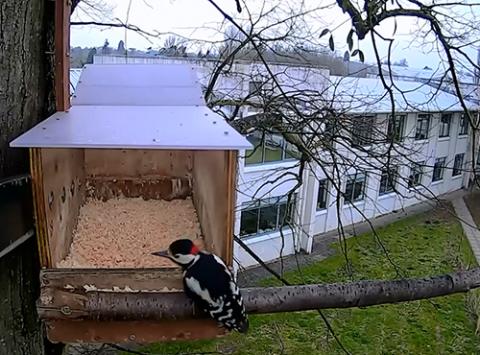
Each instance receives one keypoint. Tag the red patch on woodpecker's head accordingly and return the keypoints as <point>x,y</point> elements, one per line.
<point>194,250</point>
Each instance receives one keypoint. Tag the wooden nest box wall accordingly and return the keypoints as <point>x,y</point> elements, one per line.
<point>138,134</point>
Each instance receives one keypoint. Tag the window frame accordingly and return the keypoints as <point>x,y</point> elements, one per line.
<point>362,140</point>
<point>422,117</point>
<point>441,133</point>
<point>258,204</point>
<point>258,87</point>
<point>442,167</point>
<point>392,131</point>
<point>363,176</point>
<point>389,173</point>
<point>457,171</point>
<point>286,154</point>
<point>418,168</point>
<point>463,124</point>
<point>324,202</point>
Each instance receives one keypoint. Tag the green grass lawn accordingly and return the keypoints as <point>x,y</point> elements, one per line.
<point>421,246</point>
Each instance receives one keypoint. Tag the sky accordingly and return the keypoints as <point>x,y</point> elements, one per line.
<point>198,19</point>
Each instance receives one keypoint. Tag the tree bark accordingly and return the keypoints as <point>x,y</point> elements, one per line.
<point>26,50</point>
<point>26,93</point>
<point>153,306</point>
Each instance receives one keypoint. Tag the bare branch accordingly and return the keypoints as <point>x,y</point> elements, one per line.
<point>175,305</point>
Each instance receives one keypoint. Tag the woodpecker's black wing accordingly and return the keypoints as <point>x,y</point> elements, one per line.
<point>209,283</point>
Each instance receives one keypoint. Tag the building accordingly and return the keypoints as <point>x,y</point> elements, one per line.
<point>432,147</point>
<point>432,151</point>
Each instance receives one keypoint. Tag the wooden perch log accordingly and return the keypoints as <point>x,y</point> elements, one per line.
<point>101,305</point>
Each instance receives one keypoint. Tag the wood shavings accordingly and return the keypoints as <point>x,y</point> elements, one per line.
<point>123,232</point>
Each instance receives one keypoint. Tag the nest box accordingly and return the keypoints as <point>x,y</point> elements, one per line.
<point>135,131</point>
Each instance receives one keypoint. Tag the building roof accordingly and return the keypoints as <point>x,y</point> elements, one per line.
<point>368,95</point>
<point>436,74</point>
<point>139,85</point>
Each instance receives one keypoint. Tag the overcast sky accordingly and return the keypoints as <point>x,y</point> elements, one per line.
<point>196,18</point>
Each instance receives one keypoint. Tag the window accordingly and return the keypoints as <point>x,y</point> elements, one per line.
<point>463,129</point>
<point>445,121</point>
<point>416,174</point>
<point>273,148</point>
<point>255,87</point>
<point>264,216</point>
<point>388,181</point>
<point>330,130</point>
<point>396,128</point>
<point>269,148</point>
<point>362,129</point>
<point>458,164</point>
<point>438,168</point>
<point>255,155</point>
<point>322,194</point>
<point>355,189</point>
<point>423,123</point>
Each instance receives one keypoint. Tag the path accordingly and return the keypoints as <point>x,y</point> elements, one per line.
<point>469,227</point>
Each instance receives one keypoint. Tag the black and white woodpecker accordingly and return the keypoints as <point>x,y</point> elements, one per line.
<point>209,283</point>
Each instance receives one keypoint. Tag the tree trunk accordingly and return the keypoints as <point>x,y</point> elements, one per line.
<point>26,61</point>
<point>26,97</point>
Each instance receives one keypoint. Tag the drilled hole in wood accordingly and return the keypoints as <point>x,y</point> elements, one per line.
<point>50,199</point>
<point>64,195</point>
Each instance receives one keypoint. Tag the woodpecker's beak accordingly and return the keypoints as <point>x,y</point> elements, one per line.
<point>162,253</point>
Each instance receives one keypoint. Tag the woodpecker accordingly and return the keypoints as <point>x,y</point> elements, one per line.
<point>209,284</point>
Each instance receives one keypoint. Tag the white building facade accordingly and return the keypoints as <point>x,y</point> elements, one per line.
<point>435,149</point>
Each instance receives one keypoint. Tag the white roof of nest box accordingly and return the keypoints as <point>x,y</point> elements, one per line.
<point>136,106</point>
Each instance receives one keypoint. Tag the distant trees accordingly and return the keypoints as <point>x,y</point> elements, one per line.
<point>106,49</point>
<point>121,47</point>
<point>91,54</point>
<point>401,63</point>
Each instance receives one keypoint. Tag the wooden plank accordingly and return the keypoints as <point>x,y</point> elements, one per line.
<point>139,332</point>
<point>62,54</point>
<point>39,207</point>
<point>138,163</point>
<point>213,196</point>
<point>63,194</point>
<point>157,188</point>
<point>232,157</point>
<point>133,279</point>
